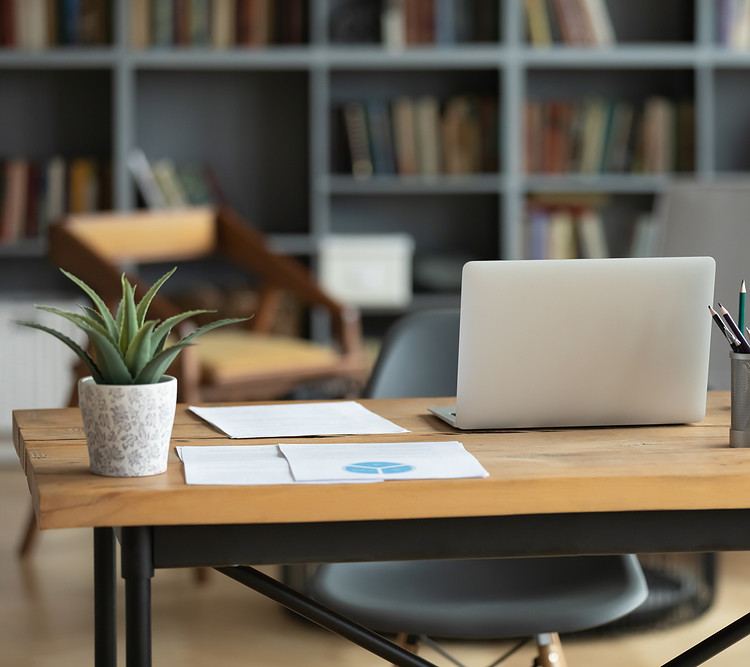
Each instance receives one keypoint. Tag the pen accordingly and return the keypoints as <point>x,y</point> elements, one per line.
<point>744,346</point>
<point>733,342</point>
<point>741,318</point>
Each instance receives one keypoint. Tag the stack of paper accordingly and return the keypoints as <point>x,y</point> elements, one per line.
<point>320,463</point>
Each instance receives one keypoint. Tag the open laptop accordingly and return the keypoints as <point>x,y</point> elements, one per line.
<point>589,342</point>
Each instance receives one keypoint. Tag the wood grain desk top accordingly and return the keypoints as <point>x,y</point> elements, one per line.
<point>531,472</point>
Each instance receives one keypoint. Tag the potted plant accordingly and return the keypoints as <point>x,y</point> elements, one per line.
<point>127,403</point>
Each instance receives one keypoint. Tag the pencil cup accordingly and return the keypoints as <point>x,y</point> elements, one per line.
<point>739,432</point>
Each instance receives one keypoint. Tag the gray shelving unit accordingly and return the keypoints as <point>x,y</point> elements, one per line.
<point>263,119</point>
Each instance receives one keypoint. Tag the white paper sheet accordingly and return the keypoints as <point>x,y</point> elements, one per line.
<point>380,461</point>
<point>296,419</point>
<point>235,464</point>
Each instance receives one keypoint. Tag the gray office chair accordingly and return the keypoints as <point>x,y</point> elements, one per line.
<point>710,218</point>
<point>470,599</point>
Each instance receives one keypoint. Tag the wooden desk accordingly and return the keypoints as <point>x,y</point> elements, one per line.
<point>551,491</point>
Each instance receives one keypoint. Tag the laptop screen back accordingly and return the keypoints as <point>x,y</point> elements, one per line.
<point>584,342</point>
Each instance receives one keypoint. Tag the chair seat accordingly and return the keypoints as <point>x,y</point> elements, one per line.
<point>483,599</point>
<point>234,355</point>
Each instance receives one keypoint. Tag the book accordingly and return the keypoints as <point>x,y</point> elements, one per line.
<point>591,233</point>
<point>181,22</point>
<point>600,22</point>
<point>13,212</point>
<point>161,23</point>
<point>393,24</point>
<point>427,132</point>
<point>83,187</point>
<point>536,226</point>
<point>166,176</point>
<point>199,23</point>
<point>355,122</point>
<point>617,153</point>
<point>561,238</point>
<point>404,135</point>
<point>381,137</point>
<point>537,22</point>
<point>593,135</point>
<point>140,36</point>
<point>143,174</point>
<point>195,185</point>
<point>33,195</point>
<point>55,203</point>
<point>253,22</point>
<point>461,136</point>
<point>445,22</point>
<point>223,26</point>
<point>644,236</point>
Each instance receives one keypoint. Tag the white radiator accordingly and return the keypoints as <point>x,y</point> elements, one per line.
<point>36,369</point>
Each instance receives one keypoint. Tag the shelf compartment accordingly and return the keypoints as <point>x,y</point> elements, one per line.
<point>213,119</point>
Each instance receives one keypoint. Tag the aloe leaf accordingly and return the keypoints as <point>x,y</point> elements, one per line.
<point>110,360</point>
<point>98,302</point>
<point>81,321</point>
<point>82,354</point>
<point>140,350</point>
<point>145,302</point>
<point>93,314</point>
<point>129,324</point>
<point>162,331</point>
<point>155,368</point>
<point>212,325</point>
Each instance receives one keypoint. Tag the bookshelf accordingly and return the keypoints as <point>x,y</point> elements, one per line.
<point>267,116</point>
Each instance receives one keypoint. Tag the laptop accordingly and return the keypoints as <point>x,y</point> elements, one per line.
<point>583,342</point>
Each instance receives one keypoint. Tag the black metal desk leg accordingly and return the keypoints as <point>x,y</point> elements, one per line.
<point>105,614</point>
<point>137,570</point>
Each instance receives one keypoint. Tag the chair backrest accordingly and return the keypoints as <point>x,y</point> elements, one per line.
<point>419,357</point>
<point>99,247</point>
<point>710,218</point>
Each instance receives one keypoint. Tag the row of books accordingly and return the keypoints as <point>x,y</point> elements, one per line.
<point>164,183</point>
<point>422,135</point>
<point>218,23</point>
<point>609,136</point>
<point>35,193</point>
<point>42,24</point>
<point>399,23</point>
<point>569,232</point>
<point>573,22</point>
<point>733,23</point>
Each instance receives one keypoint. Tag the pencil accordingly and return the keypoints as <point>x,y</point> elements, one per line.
<point>733,342</point>
<point>741,318</point>
<point>744,346</point>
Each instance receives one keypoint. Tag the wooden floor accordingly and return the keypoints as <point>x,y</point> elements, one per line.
<point>46,615</point>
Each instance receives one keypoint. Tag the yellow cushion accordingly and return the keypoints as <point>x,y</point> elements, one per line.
<point>226,355</point>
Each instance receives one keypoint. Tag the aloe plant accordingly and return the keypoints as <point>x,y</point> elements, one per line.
<point>128,348</point>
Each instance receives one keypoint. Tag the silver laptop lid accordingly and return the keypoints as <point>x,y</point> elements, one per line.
<point>584,342</point>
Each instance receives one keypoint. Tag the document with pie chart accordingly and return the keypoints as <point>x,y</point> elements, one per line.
<point>379,462</point>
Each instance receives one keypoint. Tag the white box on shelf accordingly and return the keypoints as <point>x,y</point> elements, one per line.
<point>372,270</point>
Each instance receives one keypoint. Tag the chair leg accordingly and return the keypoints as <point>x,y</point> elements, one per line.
<point>29,537</point>
<point>550,651</point>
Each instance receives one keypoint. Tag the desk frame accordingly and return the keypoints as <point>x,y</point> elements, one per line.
<point>144,549</point>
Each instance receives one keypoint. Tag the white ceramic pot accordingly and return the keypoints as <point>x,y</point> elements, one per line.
<point>128,427</point>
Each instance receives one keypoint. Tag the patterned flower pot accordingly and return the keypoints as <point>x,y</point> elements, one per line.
<point>128,427</point>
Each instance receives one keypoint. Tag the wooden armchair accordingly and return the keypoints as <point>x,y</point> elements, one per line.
<point>231,363</point>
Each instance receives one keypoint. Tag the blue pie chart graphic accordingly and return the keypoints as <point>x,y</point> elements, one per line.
<point>379,468</point>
